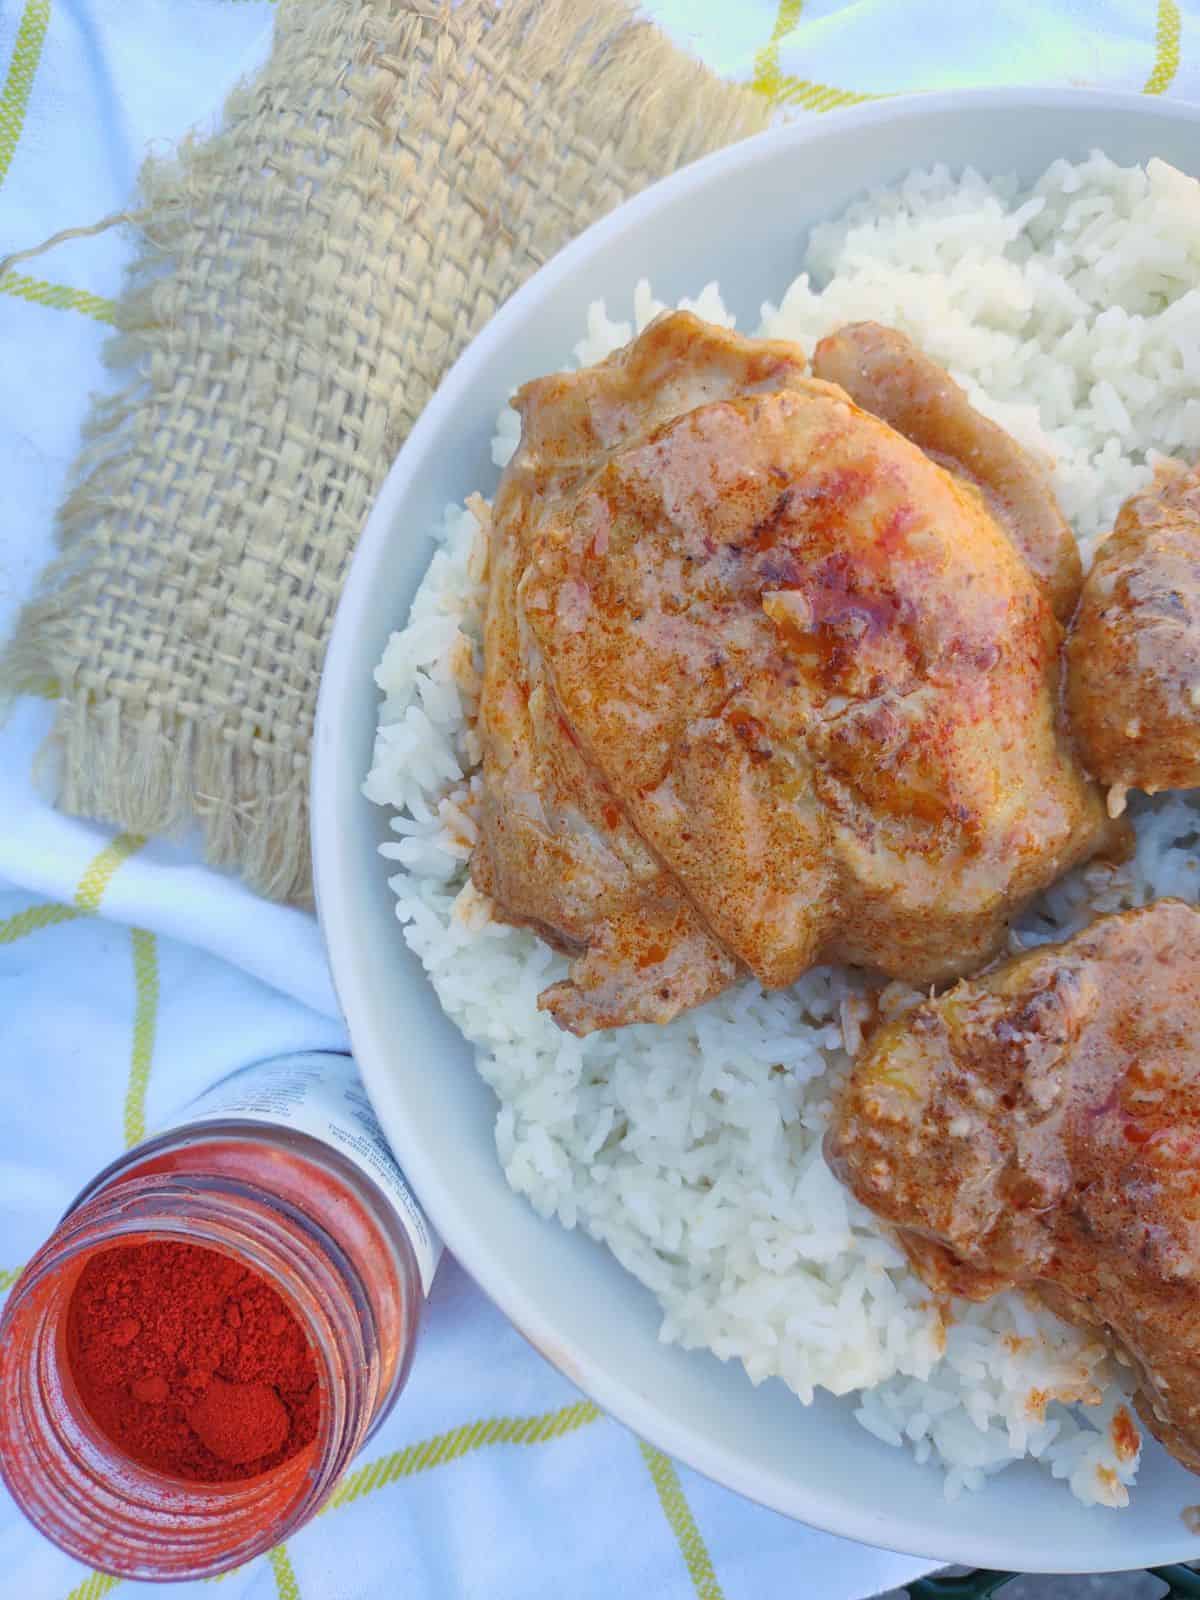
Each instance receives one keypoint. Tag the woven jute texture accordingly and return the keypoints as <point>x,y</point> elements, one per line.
<point>305,278</point>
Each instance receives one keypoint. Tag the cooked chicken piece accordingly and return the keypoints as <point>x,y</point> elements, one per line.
<point>884,372</point>
<point>556,850</point>
<point>1133,653</point>
<point>1040,1127</point>
<point>764,686</point>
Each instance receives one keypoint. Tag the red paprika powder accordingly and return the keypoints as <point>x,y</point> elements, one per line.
<point>191,1363</point>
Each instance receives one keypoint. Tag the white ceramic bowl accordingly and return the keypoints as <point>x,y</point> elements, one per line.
<point>741,216</point>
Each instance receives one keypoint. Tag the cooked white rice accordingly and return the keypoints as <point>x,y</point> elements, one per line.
<point>694,1150</point>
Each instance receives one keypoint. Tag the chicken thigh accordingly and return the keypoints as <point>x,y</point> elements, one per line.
<point>884,372</point>
<point>1133,652</point>
<point>764,686</point>
<point>1041,1127</point>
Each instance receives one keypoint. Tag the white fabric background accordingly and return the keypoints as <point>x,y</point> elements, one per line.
<point>237,979</point>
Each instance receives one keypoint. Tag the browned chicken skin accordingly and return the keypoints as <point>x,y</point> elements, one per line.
<point>884,372</point>
<point>1133,653</point>
<point>764,686</point>
<point>1040,1126</point>
<point>557,851</point>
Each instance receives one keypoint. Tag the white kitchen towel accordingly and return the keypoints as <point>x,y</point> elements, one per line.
<point>131,976</point>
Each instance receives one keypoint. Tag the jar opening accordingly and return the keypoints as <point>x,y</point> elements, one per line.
<point>190,1362</point>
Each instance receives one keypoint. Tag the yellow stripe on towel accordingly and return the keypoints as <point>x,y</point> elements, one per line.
<point>100,872</point>
<point>94,1587</point>
<point>22,923</point>
<point>459,1442</point>
<point>286,1586</point>
<point>22,69</point>
<point>683,1525</point>
<point>95,880</point>
<point>819,96</point>
<point>1166,59</point>
<point>58,296</point>
<point>766,63</point>
<point>784,88</point>
<point>145,1024</point>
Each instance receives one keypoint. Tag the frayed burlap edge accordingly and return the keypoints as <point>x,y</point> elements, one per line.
<point>168,706</point>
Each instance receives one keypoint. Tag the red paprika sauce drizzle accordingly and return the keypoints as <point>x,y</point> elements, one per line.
<point>190,1362</point>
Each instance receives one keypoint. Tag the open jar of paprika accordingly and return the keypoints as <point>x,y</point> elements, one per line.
<point>216,1326</point>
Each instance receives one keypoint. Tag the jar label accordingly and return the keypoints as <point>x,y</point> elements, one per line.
<point>319,1093</point>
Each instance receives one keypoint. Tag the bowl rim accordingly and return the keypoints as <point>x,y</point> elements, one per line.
<point>458,1227</point>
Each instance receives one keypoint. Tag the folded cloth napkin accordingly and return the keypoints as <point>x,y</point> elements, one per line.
<point>132,976</point>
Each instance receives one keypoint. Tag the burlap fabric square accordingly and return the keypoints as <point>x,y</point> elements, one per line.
<point>305,277</point>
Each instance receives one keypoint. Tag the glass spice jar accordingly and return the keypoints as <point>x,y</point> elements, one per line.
<point>283,1168</point>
